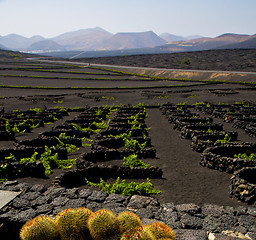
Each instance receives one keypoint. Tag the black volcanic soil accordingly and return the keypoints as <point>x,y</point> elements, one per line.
<point>184,180</point>
<point>222,60</point>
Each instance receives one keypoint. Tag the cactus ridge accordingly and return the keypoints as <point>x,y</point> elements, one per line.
<point>83,224</point>
<point>160,231</point>
<point>128,220</point>
<point>42,227</point>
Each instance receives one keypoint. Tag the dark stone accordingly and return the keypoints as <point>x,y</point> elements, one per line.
<point>211,224</point>
<point>30,195</point>
<point>21,203</point>
<point>75,203</point>
<point>168,217</point>
<point>169,207</point>
<point>56,192</point>
<point>93,206</point>
<point>10,183</point>
<point>24,187</point>
<point>44,209</point>
<point>116,198</point>
<point>145,213</point>
<point>184,234</point>
<point>228,221</point>
<point>246,221</point>
<point>25,216</point>
<point>191,222</point>
<point>41,200</point>
<point>98,196</point>
<point>252,211</point>
<point>213,210</point>
<point>85,193</point>
<point>60,201</point>
<point>38,188</point>
<point>241,210</point>
<point>219,236</point>
<point>189,208</point>
<point>137,202</point>
<point>71,193</point>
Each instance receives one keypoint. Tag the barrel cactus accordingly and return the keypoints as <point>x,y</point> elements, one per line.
<point>103,225</point>
<point>160,231</point>
<point>128,220</point>
<point>139,233</point>
<point>40,228</point>
<point>72,224</point>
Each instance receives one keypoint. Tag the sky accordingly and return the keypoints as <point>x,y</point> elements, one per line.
<point>50,18</point>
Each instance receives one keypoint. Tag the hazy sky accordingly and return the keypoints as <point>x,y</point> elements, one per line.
<point>50,18</point>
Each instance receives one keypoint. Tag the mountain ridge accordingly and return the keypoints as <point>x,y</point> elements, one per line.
<point>97,39</point>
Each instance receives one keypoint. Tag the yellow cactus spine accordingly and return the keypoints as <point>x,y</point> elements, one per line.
<point>138,233</point>
<point>72,224</point>
<point>42,227</point>
<point>160,231</point>
<point>82,216</point>
<point>103,225</point>
<point>128,220</point>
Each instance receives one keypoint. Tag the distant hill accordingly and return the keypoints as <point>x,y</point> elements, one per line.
<point>132,41</point>
<point>45,45</point>
<point>247,44</point>
<point>171,38</point>
<point>6,54</point>
<point>3,47</point>
<point>18,42</point>
<point>85,39</point>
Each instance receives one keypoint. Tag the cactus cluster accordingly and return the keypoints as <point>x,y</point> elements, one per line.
<point>83,224</point>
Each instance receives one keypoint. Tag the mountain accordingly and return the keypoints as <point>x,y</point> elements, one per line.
<point>84,39</point>
<point>131,41</point>
<point>205,43</point>
<point>2,47</point>
<point>171,38</point>
<point>45,46</point>
<point>18,42</point>
<point>247,44</point>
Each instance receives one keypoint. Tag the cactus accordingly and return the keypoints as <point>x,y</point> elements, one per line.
<point>72,224</point>
<point>103,225</point>
<point>42,227</point>
<point>160,231</point>
<point>138,233</point>
<point>128,220</point>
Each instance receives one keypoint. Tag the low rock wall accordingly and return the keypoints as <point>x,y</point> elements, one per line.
<point>188,220</point>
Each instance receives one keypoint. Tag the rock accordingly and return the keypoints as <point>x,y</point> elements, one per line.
<point>211,224</point>
<point>44,209</point>
<point>75,203</point>
<point>189,208</point>
<point>38,188</point>
<point>145,213</point>
<point>117,198</point>
<point>71,193</point>
<point>60,201</point>
<point>213,210</point>
<point>184,234</point>
<point>252,211</point>
<point>21,203</point>
<point>98,196</point>
<point>191,222</point>
<point>137,202</point>
<point>41,200</point>
<point>85,193</point>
